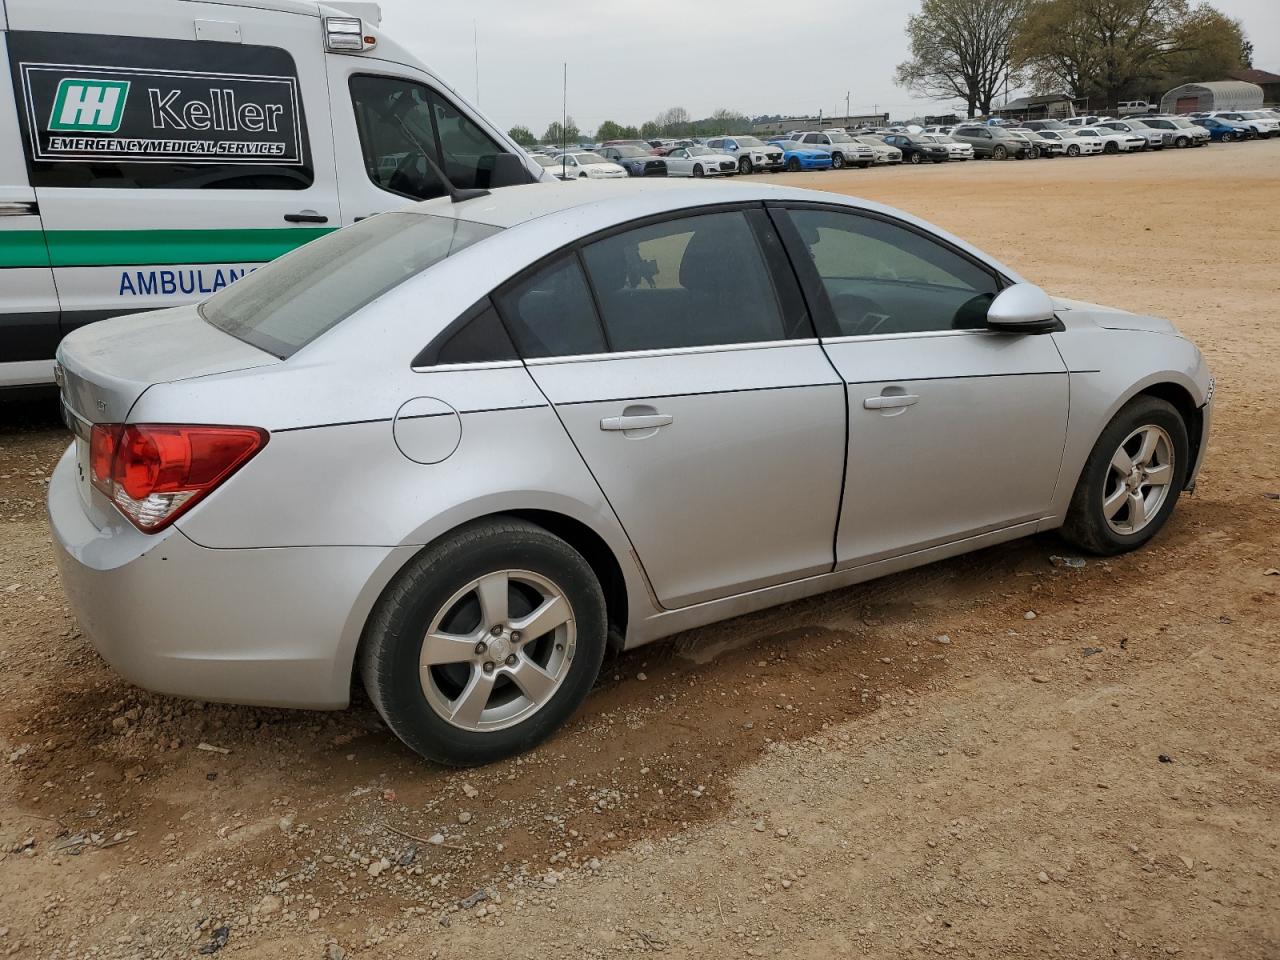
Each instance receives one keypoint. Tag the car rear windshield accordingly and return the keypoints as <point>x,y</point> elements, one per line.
<point>284,305</point>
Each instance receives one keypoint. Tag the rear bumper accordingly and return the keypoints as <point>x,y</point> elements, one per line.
<point>269,627</point>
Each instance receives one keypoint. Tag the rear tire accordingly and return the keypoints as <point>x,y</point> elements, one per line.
<point>487,703</point>
<point>1114,510</point>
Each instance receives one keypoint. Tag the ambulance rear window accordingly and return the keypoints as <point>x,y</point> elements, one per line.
<point>284,305</point>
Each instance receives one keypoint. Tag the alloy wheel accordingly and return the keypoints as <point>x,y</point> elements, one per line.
<point>744,165</point>
<point>1139,480</point>
<point>498,650</point>
<point>999,153</point>
<point>837,161</point>
<point>697,170</point>
<point>1073,150</point>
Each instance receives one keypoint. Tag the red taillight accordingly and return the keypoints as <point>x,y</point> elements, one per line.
<point>154,472</point>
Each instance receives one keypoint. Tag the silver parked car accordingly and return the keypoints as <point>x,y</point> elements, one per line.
<point>456,451</point>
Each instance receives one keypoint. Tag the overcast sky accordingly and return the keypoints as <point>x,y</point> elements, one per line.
<point>628,61</point>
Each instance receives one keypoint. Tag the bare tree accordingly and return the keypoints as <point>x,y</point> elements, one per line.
<point>961,48</point>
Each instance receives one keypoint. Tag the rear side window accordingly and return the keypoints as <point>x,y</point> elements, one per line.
<point>398,120</point>
<point>550,313</point>
<point>691,282</point>
<point>137,112</point>
<point>284,305</point>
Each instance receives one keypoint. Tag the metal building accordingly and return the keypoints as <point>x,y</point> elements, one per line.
<point>1218,95</point>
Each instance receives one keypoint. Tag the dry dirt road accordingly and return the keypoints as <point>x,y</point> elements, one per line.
<point>827,779</point>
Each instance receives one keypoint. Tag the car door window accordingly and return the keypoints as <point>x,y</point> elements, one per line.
<point>549,312</point>
<point>883,278</point>
<point>399,120</point>
<point>695,281</point>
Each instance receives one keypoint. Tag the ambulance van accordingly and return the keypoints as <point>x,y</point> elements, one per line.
<point>154,151</point>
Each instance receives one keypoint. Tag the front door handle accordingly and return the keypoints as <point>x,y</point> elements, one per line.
<point>890,401</point>
<point>648,421</point>
<point>306,216</point>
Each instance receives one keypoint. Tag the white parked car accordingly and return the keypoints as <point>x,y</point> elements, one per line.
<point>587,166</point>
<point>699,161</point>
<point>1155,138</point>
<point>751,153</point>
<point>1181,131</point>
<point>1115,141</point>
<point>1074,144</point>
<point>884,153</point>
<point>956,150</point>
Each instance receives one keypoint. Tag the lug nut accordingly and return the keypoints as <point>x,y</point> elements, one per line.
<point>496,630</point>
<point>511,660</point>
<point>515,636</point>
<point>488,667</point>
<point>481,647</point>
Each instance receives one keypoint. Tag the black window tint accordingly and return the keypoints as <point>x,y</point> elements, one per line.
<point>550,313</point>
<point>883,278</point>
<point>399,121</point>
<point>112,112</point>
<point>481,338</point>
<point>695,281</point>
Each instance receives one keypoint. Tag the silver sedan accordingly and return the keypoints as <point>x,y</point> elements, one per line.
<point>455,452</point>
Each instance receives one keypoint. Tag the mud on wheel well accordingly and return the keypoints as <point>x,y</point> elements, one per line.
<point>1186,406</point>
<point>597,553</point>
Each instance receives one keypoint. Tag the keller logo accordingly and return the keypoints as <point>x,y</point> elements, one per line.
<point>89,105</point>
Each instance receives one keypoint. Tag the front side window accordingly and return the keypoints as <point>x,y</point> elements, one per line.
<point>695,281</point>
<point>399,121</point>
<point>144,113</point>
<point>882,278</point>
<point>284,305</point>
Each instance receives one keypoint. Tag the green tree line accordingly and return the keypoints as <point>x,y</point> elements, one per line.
<point>673,122</point>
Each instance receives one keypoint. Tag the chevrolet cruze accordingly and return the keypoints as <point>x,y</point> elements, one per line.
<point>455,452</point>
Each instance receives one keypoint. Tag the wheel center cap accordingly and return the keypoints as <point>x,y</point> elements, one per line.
<point>499,648</point>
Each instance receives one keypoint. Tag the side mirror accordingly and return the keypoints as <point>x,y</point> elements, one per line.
<point>1022,308</point>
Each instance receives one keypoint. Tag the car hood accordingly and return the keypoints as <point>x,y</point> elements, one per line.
<point>1074,312</point>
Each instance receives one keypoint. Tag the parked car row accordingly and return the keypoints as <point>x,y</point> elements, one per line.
<point>836,149</point>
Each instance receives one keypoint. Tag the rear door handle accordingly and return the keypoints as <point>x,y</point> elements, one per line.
<point>648,421</point>
<point>306,216</point>
<point>889,402</point>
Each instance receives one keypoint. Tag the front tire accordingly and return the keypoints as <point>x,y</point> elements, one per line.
<point>793,165</point>
<point>1182,142</point>
<point>1073,150</point>
<point>486,643</point>
<point>837,161</point>
<point>744,166</point>
<point>1111,147</point>
<point>916,158</point>
<point>698,171</point>
<point>1132,479</point>
<point>999,152</point>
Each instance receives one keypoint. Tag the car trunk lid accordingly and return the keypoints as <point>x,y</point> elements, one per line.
<point>103,369</point>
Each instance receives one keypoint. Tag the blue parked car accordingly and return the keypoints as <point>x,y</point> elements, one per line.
<point>797,156</point>
<point>1227,131</point>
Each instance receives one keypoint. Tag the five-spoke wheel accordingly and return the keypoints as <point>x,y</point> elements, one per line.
<point>485,643</point>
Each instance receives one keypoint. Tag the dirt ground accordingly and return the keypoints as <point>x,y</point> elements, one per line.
<point>826,779</point>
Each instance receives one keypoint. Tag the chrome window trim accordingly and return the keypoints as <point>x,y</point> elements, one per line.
<point>911,335</point>
<point>477,365</point>
<point>671,352</point>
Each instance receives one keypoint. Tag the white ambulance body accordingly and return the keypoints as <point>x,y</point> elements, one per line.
<point>152,151</point>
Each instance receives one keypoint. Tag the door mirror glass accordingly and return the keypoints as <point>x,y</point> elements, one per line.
<point>1022,308</point>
